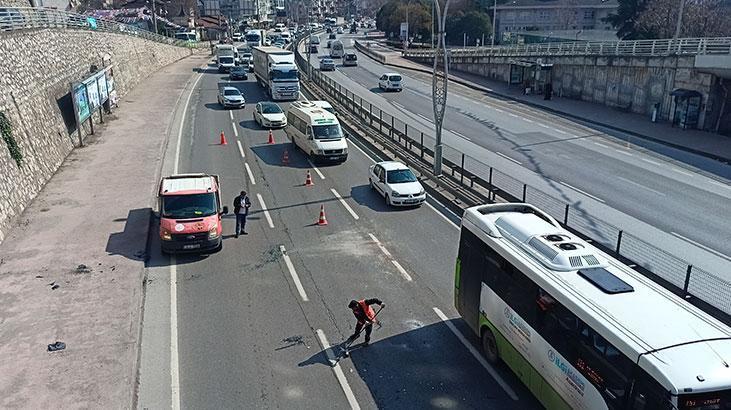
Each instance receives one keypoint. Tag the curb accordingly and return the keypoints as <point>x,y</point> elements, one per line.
<point>466,83</point>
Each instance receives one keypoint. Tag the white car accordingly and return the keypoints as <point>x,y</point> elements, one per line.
<point>231,97</point>
<point>269,115</point>
<point>390,81</point>
<point>397,183</point>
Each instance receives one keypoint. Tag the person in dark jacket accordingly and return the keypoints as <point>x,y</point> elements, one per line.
<point>365,315</point>
<point>241,210</point>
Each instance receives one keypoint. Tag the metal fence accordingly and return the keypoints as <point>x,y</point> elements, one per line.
<point>664,47</point>
<point>23,18</point>
<point>675,273</point>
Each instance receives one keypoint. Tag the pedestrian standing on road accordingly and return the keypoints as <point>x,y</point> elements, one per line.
<point>365,315</point>
<point>242,203</point>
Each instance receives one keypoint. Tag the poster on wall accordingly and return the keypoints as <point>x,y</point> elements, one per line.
<point>92,90</point>
<point>81,102</point>
<point>101,80</point>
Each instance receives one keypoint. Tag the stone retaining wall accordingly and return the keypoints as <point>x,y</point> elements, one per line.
<point>36,70</point>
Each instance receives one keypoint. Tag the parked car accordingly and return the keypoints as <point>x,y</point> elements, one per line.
<point>238,73</point>
<point>270,115</point>
<point>350,60</point>
<point>327,64</point>
<point>231,97</point>
<point>390,81</point>
<point>397,183</point>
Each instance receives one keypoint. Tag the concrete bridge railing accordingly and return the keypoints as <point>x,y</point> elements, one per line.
<point>663,47</point>
<point>23,18</point>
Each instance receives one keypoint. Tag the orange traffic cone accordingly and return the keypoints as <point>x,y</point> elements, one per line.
<point>223,139</point>
<point>322,221</point>
<point>271,138</point>
<point>285,157</point>
<point>308,181</point>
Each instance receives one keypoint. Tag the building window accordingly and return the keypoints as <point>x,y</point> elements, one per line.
<point>588,14</point>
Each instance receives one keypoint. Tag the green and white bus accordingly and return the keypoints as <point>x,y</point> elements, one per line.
<point>579,328</point>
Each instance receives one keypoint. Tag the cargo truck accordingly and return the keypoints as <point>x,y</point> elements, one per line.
<point>276,71</point>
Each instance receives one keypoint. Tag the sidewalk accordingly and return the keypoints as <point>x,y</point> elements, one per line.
<point>702,143</point>
<point>87,233</point>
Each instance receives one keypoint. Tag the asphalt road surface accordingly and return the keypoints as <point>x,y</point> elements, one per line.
<point>677,201</point>
<point>249,326</point>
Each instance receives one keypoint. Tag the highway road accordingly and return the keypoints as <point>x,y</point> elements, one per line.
<point>249,326</point>
<point>675,200</point>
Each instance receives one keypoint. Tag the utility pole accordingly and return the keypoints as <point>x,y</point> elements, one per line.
<point>154,16</point>
<point>431,29</point>
<point>494,23</point>
<point>440,80</point>
<point>680,20</point>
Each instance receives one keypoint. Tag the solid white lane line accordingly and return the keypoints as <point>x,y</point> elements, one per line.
<point>442,215</point>
<point>182,124</point>
<point>317,170</point>
<point>508,158</point>
<point>236,131</point>
<point>681,172</point>
<point>231,114</point>
<point>641,186</point>
<point>559,131</point>
<point>498,110</point>
<point>528,120</point>
<point>251,174</point>
<point>337,370</point>
<point>713,251</point>
<point>241,149</point>
<point>293,274</point>
<point>396,104</point>
<point>476,354</point>
<point>425,117</point>
<point>512,115</point>
<point>540,124</point>
<point>266,211</point>
<point>624,152</point>
<point>601,145</point>
<point>581,192</point>
<point>402,270</point>
<point>174,370</point>
<point>652,162</point>
<point>345,204</point>
<point>717,183</point>
<point>380,246</point>
<point>459,135</point>
<point>364,153</point>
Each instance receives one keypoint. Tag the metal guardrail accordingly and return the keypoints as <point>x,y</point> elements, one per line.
<point>659,48</point>
<point>24,18</point>
<point>674,273</point>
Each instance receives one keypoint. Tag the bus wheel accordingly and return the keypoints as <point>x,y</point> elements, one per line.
<point>489,346</point>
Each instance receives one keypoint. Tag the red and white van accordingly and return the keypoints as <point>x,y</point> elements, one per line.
<point>190,213</point>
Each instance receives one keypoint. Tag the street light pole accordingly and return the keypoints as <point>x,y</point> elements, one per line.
<point>154,16</point>
<point>440,80</point>
<point>680,20</point>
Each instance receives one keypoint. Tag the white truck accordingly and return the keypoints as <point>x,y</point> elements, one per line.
<point>225,57</point>
<point>276,71</point>
<point>255,38</point>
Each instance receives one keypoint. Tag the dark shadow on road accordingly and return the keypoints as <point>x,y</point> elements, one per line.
<point>206,70</point>
<point>250,124</point>
<point>426,367</point>
<point>365,196</point>
<point>272,154</point>
<point>216,107</point>
<point>131,242</point>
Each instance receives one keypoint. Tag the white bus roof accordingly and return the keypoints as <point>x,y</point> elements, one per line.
<point>313,114</point>
<point>637,322</point>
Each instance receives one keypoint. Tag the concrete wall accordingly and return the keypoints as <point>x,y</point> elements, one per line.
<point>634,84</point>
<point>36,69</point>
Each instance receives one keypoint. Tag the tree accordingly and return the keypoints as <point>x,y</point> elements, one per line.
<point>473,23</point>
<point>701,18</point>
<point>624,19</point>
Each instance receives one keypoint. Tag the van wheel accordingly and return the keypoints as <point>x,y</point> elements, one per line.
<point>387,200</point>
<point>370,182</point>
<point>489,346</point>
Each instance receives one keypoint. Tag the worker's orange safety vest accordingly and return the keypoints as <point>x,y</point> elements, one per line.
<point>367,309</point>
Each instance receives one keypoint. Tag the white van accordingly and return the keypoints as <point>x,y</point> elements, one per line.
<point>316,131</point>
<point>336,49</point>
<point>324,105</point>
